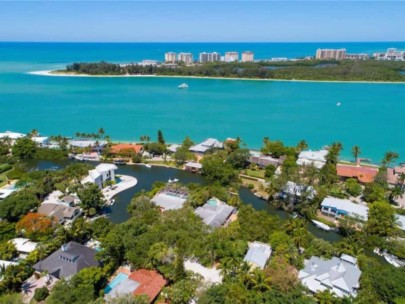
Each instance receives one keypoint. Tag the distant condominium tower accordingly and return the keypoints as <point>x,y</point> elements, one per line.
<point>231,56</point>
<point>209,57</point>
<point>170,57</point>
<point>247,56</point>
<point>187,58</point>
<point>331,54</point>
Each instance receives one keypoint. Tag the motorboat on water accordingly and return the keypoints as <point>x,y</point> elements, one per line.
<point>321,225</point>
<point>338,104</point>
<point>148,166</point>
<point>173,180</point>
<point>183,86</point>
<point>119,162</point>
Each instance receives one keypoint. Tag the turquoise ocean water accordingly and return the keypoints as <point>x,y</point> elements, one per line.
<point>371,115</point>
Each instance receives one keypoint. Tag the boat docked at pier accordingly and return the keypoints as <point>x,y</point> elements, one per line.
<point>321,225</point>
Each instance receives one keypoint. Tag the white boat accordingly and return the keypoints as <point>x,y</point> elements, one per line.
<point>338,104</point>
<point>112,201</point>
<point>173,180</point>
<point>321,225</point>
<point>183,86</point>
<point>148,166</point>
<point>392,260</point>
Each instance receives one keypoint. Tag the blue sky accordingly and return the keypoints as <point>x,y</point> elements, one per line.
<point>192,21</point>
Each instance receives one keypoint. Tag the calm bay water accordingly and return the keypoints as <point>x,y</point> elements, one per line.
<point>370,115</point>
<point>148,176</point>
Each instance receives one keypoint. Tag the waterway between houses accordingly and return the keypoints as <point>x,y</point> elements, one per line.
<point>147,176</point>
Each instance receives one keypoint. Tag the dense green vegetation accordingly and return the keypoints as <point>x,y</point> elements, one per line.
<point>345,70</point>
<point>163,241</point>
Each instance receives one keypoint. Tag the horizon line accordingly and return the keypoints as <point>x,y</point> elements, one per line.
<point>190,42</point>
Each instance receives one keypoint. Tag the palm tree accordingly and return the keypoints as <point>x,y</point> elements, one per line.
<point>101,131</point>
<point>401,180</point>
<point>325,297</point>
<point>34,133</point>
<point>356,152</point>
<point>301,237</point>
<point>258,280</point>
<point>302,145</point>
<point>390,157</point>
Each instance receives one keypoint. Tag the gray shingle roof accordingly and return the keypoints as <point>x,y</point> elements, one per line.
<point>215,215</point>
<point>69,261</point>
<point>340,275</point>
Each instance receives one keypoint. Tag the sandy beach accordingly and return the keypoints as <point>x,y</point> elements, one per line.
<point>52,73</point>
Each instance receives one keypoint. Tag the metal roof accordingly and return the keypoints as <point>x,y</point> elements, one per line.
<point>346,205</point>
<point>258,254</point>
<point>337,274</point>
<point>168,202</point>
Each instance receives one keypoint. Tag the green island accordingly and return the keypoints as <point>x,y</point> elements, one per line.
<point>313,70</point>
<point>164,243</point>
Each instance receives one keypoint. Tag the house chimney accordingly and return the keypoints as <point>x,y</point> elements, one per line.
<point>64,247</point>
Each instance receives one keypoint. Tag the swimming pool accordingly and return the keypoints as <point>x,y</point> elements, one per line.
<point>212,202</point>
<point>118,279</point>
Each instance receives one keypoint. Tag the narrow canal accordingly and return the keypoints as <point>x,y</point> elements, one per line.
<point>148,176</point>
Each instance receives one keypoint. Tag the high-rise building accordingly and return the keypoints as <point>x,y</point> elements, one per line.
<point>170,57</point>
<point>187,58</point>
<point>231,56</point>
<point>209,57</point>
<point>247,56</point>
<point>331,54</point>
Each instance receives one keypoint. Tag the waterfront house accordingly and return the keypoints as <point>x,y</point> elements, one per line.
<point>12,136</point>
<point>67,260</point>
<point>338,275</point>
<point>24,246</point>
<point>258,254</point>
<point>193,167</point>
<point>363,174</point>
<point>264,160</point>
<point>41,141</point>
<point>93,145</point>
<point>126,149</point>
<point>340,208</point>
<point>101,174</point>
<point>140,282</point>
<point>59,212</point>
<point>296,192</point>
<point>315,158</point>
<point>393,174</point>
<point>216,213</point>
<point>208,144</point>
<point>170,199</point>
<point>173,148</point>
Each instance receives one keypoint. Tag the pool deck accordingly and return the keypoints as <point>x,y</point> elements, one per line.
<point>125,183</point>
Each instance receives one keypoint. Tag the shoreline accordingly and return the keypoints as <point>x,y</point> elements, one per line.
<point>51,74</point>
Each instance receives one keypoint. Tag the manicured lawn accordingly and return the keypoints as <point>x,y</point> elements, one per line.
<point>254,173</point>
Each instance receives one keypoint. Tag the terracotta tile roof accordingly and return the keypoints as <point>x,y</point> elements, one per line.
<point>118,148</point>
<point>363,174</point>
<point>151,283</point>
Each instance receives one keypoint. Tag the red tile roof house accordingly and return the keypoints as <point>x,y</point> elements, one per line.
<point>140,282</point>
<point>363,174</point>
<point>126,149</point>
